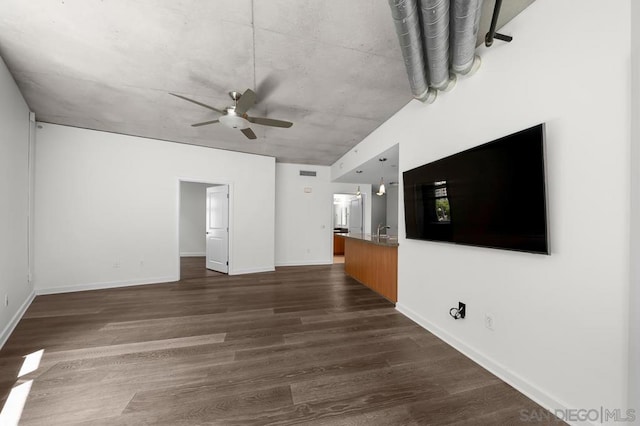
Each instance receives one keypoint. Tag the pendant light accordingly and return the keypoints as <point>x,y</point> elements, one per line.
<point>358,193</point>
<point>381,189</point>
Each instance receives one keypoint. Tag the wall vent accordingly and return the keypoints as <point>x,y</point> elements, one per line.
<point>307,173</point>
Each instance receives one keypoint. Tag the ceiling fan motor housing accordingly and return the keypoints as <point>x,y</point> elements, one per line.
<point>234,121</point>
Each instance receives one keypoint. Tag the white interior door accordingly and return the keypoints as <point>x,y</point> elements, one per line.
<point>356,216</point>
<point>218,228</point>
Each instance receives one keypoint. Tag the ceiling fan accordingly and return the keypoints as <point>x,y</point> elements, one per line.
<point>235,117</point>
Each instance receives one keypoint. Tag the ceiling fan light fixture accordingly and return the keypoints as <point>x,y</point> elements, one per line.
<point>234,121</point>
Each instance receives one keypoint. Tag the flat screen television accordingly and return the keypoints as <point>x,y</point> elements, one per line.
<point>492,195</point>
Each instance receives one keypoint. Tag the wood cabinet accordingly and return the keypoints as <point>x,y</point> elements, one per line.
<point>374,265</point>
<point>338,244</point>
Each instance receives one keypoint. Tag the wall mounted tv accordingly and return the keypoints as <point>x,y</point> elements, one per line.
<point>492,195</point>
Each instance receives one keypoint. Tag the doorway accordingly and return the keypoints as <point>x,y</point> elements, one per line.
<point>203,229</point>
<point>348,217</point>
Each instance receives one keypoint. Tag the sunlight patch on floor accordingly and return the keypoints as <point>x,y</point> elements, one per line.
<point>14,405</point>
<point>31,362</point>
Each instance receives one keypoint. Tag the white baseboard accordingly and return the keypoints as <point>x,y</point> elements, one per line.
<point>4,336</point>
<point>105,285</point>
<point>193,254</point>
<point>306,262</point>
<point>521,384</point>
<point>251,271</point>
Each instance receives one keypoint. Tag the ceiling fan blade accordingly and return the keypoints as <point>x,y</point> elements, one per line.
<point>246,101</point>
<point>249,133</point>
<point>204,123</point>
<point>266,87</point>
<point>198,103</point>
<point>270,122</point>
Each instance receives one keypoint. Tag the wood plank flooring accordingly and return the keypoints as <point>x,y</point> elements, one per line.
<point>302,345</point>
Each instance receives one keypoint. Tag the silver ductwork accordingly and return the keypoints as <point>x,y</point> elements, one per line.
<point>437,42</point>
<point>407,22</point>
<point>435,21</point>
<point>466,20</point>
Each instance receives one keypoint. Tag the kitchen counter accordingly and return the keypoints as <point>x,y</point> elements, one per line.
<point>384,240</point>
<point>373,261</point>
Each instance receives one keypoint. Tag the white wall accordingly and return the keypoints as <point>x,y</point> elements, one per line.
<point>560,320</point>
<point>193,205</point>
<point>304,224</point>
<point>14,207</point>
<point>634,296</point>
<point>392,209</point>
<point>106,207</point>
<point>378,210</point>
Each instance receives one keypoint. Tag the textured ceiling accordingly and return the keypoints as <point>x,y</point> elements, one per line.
<point>332,67</point>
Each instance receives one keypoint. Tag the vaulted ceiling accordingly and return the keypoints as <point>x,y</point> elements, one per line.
<point>332,67</point>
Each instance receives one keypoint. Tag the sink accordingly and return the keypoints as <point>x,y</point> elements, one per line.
<point>385,238</point>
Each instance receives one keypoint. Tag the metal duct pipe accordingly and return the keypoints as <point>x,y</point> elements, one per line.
<point>465,21</point>
<point>435,21</point>
<point>407,23</point>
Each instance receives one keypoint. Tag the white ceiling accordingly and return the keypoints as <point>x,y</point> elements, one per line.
<point>332,67</point>
<point>372,170</point>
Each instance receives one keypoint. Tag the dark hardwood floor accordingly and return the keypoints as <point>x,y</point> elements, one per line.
<point>194,267</point>
<point>302,345</point>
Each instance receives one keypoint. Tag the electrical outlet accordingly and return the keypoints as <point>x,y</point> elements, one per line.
<point>488,321</point>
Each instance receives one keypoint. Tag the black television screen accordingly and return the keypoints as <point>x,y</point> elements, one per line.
<point>492,195</point>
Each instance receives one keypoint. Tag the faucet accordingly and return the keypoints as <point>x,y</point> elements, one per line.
<point>380,226</point>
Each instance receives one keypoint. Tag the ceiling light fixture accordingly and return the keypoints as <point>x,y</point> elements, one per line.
<point>381,190</point>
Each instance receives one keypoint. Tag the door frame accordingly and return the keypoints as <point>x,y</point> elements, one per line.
<point>231,216</point>
<point>364,214</point>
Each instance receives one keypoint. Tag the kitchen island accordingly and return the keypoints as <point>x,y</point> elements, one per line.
<point>373,261</point>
